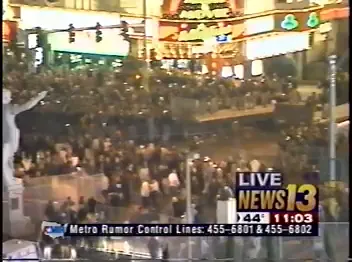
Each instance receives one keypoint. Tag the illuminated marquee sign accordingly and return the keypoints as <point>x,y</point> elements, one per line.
<point>200,9</point>
<point>205,11</point>
<point>194,32</point>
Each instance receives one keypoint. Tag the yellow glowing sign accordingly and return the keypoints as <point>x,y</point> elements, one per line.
<point>203,32</point>
<point>205,12</point>
<point>194,2</point>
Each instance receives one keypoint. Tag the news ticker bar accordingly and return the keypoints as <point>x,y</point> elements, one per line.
<point>174,230</point>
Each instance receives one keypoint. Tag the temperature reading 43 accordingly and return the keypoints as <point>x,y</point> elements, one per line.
<point>253,218</point>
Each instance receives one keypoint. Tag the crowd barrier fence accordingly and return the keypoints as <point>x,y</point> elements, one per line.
<point>57,188</point>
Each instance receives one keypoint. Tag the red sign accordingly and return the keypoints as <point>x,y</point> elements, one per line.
<point>9,31</point>
<point>335,13</point>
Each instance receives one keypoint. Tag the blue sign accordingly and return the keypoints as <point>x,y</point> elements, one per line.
<point>223,39</point>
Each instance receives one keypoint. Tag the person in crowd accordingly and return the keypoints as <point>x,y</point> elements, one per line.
<point>145,194</point>
<point>173,183</point>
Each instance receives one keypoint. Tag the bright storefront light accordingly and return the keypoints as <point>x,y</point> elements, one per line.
<point>257,67</point>
<point>52,19</point>
<point>276,45</point>
<point>226,71</point>
<point>239,71</point>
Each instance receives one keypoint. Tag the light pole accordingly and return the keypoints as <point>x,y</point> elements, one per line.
<point>145,44</point>
<point>332,118</point>
<point>189,212</point>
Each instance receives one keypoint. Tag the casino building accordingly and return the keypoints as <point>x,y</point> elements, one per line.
<point>236,37</point>
<point>222,37</point>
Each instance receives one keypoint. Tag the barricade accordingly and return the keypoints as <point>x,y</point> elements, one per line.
<point>57,188</point>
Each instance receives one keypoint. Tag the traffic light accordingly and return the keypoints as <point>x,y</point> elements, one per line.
<point>154,60</point>
<point>124,31</point>
<point>153,54</point>
<point>71,34</point>
<point>39,38</point>
<point>98,33</point>
<point>141,53</point>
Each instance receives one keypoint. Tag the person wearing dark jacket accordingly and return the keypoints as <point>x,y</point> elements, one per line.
<point>165,255</point>
<point>179,207</point>
<point>153,247</point>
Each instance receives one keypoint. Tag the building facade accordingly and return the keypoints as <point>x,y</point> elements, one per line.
<point>227,37</point>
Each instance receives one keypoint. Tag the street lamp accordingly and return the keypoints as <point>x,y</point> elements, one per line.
<point>189,209</point>
<point>145,44</point>
<point>332,118</point>
<point>189,201</point>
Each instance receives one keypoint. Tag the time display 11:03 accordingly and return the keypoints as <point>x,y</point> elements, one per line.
<point>293,218</point>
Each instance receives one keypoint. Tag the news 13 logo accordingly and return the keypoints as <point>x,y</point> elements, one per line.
<point>265,192</point>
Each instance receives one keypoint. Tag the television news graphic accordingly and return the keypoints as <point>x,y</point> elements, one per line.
<point>253,217</point>
<point>126,230</point>
<point>53,229</point>
<point>261,198</point>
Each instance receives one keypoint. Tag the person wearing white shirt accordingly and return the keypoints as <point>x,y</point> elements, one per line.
<point>145,193</point>
<point>144,173</point>
<point>174,182</point>
<point>255,165</point>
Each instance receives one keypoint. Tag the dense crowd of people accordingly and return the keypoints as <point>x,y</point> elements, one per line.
<point>95,122</point>
<point>125,94</point>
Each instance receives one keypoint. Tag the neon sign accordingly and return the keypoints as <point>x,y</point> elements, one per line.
<point>205,12</point>
<point>289,23</point>
<point>203,32</point>
<point>313,20</point>
<point>295,22</point>
<point>192,11</point>
<point>207,2</point>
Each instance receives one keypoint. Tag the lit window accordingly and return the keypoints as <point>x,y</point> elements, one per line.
<point>205,69</point>
<point>257,67</point>
<point>226,71</point>
<point>239,71</point>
